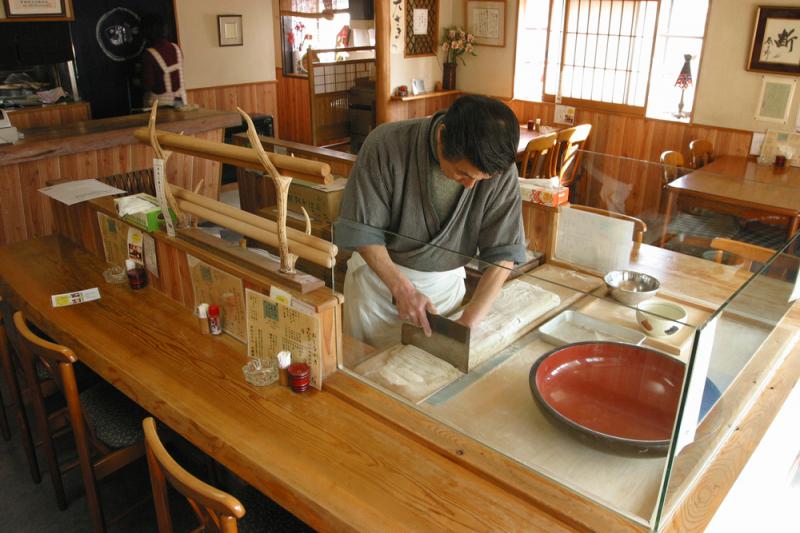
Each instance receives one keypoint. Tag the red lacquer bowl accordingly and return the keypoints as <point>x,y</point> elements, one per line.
<point>614,392</point>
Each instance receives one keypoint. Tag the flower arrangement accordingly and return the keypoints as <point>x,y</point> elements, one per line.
<point>299,39</point>
<point>455,43</point>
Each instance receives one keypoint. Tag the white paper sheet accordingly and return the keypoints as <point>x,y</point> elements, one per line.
<point>593,241</point>
<point>73,192</point>
<point>420,22</point>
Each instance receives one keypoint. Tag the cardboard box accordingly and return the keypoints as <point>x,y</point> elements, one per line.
<point>544,196</point>
<point>321,202</point>
<point>148,219</point>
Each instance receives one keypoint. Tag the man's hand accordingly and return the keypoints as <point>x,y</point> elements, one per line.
<point>485,294</point>
<point>412,305</point>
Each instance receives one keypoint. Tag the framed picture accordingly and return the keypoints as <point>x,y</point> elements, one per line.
<point>417,87</point>
<point>35,8</point>
<point>775,99</point>
<point>776,41</point>
<point>421,34</point>
<point>486,20</point>
<point>230,30</point>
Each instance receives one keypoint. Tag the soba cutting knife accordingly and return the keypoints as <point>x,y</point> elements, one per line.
<point>449,340</point>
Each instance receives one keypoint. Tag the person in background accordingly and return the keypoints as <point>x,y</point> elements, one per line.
<point>448,184</point>
<point>162,65</point>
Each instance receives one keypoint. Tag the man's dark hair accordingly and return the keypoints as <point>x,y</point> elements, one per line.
<point>153,27</point>
<point>482,130</point>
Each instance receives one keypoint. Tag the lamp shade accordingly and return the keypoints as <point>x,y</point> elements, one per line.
<point>685,77</point>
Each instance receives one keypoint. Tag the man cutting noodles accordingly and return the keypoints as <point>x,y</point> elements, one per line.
<point>424,197</point>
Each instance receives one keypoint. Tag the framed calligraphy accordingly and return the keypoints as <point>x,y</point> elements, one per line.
<point>486,20</point>
<point>776,41</point>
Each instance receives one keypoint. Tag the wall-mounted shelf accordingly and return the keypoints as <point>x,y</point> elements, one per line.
<point>434,94</point>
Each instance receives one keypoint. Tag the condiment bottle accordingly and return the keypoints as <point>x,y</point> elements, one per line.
<point>202,318</point>
<point>537,126</point>
<point>137,275</point>
<point>299,376</point>
<point>214,321</point>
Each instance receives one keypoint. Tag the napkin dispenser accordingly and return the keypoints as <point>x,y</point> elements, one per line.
<point>8,133</point>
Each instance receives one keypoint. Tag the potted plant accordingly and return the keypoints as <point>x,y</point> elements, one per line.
<point>299,41</point>
<point>455,43</point>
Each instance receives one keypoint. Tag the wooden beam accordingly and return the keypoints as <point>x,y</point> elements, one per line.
<point>239,156</point>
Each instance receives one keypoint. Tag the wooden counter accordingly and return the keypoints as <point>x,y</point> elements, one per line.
<point>95,148</point>
<point>327,461</point>
<point>86,135</point>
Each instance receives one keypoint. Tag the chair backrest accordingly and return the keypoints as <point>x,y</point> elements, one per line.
<point>216,510</point>
<point>748,253</point>
<point>567,154</point>
<point>639,226</point>
<point>536,162</point>
<point>702,152</point>
<point>671,162</point>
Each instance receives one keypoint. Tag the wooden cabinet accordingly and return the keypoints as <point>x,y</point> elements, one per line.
<point>54,115</point>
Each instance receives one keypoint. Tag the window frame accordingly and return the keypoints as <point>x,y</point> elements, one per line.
<point>599,105</point>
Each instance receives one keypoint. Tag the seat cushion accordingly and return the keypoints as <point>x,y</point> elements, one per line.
<point>116,420</point>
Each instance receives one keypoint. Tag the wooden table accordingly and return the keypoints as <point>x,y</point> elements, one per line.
<point>526,136</point>
<point>325,459</point>
<point>739,186</point>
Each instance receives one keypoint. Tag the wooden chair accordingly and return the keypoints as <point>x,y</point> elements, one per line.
<point>567,155</point>
<point>105,424</point>
<point>537,161</point>
<point>672,162</point>
<point>701,152</point>
<point>8,344</point>
<point>639,226</point>
<point>216,510</point>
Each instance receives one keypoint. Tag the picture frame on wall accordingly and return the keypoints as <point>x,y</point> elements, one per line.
<point>775,99</point>
<point>776,41</point>
<point>486,20</point>
<point>229,28</point>
<point>37,8</point>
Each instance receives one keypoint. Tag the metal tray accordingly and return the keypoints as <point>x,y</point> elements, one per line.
<point>573,326</point>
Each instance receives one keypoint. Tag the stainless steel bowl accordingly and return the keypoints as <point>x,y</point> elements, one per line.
<point>631,288</point>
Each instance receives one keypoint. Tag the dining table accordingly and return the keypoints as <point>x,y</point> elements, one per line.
<point>740,186</point>
<point>527,135</point>
<point>319,455</point>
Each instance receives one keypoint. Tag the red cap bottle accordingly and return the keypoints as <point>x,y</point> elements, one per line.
<point>214,322</point>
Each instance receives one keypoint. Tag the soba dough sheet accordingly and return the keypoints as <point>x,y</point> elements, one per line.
<point>408,371</point>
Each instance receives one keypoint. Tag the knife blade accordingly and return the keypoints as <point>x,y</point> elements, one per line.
<point>449,340</point>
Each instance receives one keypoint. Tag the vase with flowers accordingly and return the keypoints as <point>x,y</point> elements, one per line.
<point>455,43</point>
<point>299,42</point>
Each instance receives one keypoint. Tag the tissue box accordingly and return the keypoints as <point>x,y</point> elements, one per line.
<point>148,217</point>
<point>544,196</point>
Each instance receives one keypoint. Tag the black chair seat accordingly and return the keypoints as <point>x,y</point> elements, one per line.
<point>115,419</point>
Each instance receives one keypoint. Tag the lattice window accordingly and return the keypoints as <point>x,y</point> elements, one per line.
<point>600,50</point>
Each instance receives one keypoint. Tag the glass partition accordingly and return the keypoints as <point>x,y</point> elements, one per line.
<point>579,371</point>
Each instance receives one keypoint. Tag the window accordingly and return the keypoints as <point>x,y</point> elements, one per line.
<point>616,54</point>
<point>321,24</point>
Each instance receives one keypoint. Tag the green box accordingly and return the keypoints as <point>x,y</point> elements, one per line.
<point>149,219</point>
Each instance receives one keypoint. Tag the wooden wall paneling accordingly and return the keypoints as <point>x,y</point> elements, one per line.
<point>254,98</point>
<point>12,214</point>
<point>294,108</point>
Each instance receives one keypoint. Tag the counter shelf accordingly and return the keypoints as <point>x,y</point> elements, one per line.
<point>738,329</point>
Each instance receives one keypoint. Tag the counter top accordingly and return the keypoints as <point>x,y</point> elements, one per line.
<point>88,135</point>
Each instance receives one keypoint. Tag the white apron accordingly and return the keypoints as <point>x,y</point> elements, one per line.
<point>169,95</point>
<point>369,314</point>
